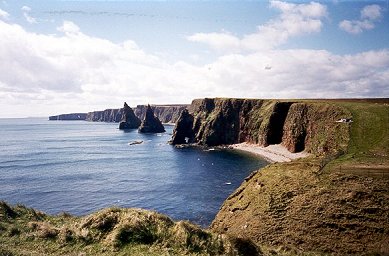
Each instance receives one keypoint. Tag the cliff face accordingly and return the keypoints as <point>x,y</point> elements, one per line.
<point>72,116</point>
<point>108,115</point>
<point>298,126</point>
<point>313,127</point>
<point>165,113</point>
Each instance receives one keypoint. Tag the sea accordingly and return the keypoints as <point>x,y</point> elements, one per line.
<point>79,167</point>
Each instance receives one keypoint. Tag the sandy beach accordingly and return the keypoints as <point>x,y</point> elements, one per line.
<point>272,153</point>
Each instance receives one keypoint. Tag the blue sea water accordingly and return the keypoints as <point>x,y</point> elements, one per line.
<point>80,167</point>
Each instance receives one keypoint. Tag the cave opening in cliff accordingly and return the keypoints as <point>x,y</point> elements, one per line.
<point>276,122</point>
<point>300,142</point>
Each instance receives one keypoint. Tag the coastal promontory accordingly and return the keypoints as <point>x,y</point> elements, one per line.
<point>332,202</point>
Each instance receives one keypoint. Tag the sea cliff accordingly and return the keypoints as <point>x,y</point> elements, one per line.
<point>108,115</point>
<point>72,116</point>
<point>299,126</point>
<point>333,202</point>
<point>165,113</point>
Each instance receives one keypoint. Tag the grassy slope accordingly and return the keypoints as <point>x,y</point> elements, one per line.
<point>317,204</point>
<point>368,152</point>
<point>111,231</point>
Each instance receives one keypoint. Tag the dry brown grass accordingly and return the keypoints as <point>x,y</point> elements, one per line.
<point>111,231</point>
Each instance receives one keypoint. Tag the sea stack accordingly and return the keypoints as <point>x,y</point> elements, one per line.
<point>151,123</point>
<point>183,131</point>
<point>129,120</point>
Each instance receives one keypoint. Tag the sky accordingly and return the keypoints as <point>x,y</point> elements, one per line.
<point>60,56</point>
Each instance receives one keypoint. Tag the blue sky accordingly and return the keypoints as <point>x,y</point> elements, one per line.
<point>70,56</point>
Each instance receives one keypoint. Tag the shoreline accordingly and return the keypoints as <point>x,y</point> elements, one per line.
<point>272,153</point>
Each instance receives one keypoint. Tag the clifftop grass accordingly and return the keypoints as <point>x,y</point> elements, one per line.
<point>111,231</point>
<point>368,150</point>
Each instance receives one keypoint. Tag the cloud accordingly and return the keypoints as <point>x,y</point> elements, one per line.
<point>74,72</point>
<point>98,71</point>
<point>220,41</point>
<point>368,16</point>
<point>26,8</point>
<point>294,20</point>
<point>371,12</point>
<point>69,28</point>
<point>26,13</point>
<point>324,74</point>
<point>3,15</point>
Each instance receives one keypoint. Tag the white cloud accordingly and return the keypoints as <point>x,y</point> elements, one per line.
<point>369,14</point>
<point>356,26</point>
<point>69,28</point>
<point>26,13</point>
<point>3,15</point>
<point>218,41</point>
<point>26,8</point>
<point>294,20</point>
<point>324,74</point>
<point>72,71</point>
<point>99,72</point>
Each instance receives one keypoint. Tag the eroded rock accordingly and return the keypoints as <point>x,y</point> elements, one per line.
<point>129,120</point>
<point>151,123</point>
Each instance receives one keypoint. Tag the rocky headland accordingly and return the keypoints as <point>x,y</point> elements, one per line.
<point>72,116</point>
<point>299,126</point>
<point>151,123</point>
<point>334,201</point>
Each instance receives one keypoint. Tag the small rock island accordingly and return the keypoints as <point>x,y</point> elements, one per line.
<point>129,120</point>
<point>151,123</point>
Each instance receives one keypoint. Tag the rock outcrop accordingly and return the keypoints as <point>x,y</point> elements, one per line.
<point>72,116</point>
<point>128,120</point>
<point>185,134</point>
<point>297,125</point>
<point>151,123</point>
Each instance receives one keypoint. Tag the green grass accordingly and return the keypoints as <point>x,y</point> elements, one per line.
<point>370,130</point>
<point>369,139</point>
<point>111,231</point>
